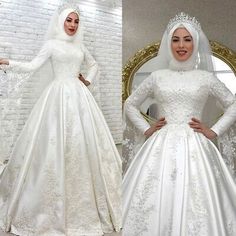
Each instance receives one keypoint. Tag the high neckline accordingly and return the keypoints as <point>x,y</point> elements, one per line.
<point>181,66</point>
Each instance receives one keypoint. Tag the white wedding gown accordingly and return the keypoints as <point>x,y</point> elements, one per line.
<point>178,183</point>
<point>63,177</point>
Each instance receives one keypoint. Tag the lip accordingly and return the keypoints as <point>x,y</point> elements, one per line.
<point>182,52</point>
<point>72,30</point>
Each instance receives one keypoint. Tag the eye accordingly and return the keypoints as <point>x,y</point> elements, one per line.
<point>175,40</point>
<point>188,39</point>
<point>76,21</point>
<point>68,20</point>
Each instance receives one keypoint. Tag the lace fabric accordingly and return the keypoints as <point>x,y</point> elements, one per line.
<point>64,142</point>
<point>133,135</point>
<point>227,146</point>
<point>64,172</point>
<point>178,176</point>
<point>27,81</point>
<point>32,79</point>
<point>177,182</point>
<point>200,60</point>
<point>150,88</point>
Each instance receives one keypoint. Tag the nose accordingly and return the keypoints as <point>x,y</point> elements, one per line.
<point>181,43</point>
<point>72,24</point>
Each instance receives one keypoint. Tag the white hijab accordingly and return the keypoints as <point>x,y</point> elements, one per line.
<point>56,27</point>
<point>200,58</point>
<point>193,60</point>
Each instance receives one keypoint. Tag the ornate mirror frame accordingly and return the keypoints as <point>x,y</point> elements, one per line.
<point>142,56</point>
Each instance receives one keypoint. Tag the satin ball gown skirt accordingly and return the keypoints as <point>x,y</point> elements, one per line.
<point>178,185</point>
<point>63,177</point>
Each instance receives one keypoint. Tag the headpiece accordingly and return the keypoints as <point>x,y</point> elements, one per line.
<point>73,6</point>
<point>183,18</point>
<point>56,25</point>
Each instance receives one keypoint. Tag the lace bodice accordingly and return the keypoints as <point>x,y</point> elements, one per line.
<point>65,57</point>
<point>66,60</point>
<point>57,63</point>
<point>179,99</point>
<point>180,96</point>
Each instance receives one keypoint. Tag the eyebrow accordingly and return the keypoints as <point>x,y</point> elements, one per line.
<point>71,18</point>
<point>188,36</point>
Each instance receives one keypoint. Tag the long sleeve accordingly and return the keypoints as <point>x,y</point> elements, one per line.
<point>228,101</point>
<point>36,63</point>
<point>133,102</point>
<point>92,65</point>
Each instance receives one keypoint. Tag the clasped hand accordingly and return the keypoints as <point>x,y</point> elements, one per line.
<point>195,124</point>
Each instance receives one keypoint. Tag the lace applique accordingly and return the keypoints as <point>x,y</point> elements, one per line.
<point>227,147</point>
<point>132,104</point>
<point>134,123</point>
<point>71,170</point>
<point>221,92</point>
<point>197,184</point>
<point>142,205</point>
<point>197,214</point>
<point>140,208</point>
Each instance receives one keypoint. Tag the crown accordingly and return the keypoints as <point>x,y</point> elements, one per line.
<point>184,18</point>
<point>71,5</point>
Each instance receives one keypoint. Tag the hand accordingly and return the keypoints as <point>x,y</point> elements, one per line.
<point>158,125</point>
<point>199,127</point>
<point>4,61</point>
<point>81,78</point>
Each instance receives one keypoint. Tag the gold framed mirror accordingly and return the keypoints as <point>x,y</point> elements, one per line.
<point>221,55</point>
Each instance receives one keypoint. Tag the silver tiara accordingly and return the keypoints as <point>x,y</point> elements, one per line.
<point>67,5</point>
<point>183,18</point>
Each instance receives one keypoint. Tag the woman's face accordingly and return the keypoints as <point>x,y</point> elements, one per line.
<point>181,44</point>
<point>71,24</point>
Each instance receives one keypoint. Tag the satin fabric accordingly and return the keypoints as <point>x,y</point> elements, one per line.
<point>63,177</point>
<point>178,183</point>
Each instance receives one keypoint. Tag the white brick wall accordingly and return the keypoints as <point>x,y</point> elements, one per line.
<point>23,25</point>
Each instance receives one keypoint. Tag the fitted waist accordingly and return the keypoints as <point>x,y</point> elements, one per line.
<point>66,81</point>
<point>178,123</point>
<point>66,76</point>
<point>176,126</point>
<point>181,120</point>
<point>178,130</point>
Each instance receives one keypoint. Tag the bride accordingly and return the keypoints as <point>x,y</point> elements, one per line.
<point>63,176</point>
<point>178,184</point>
